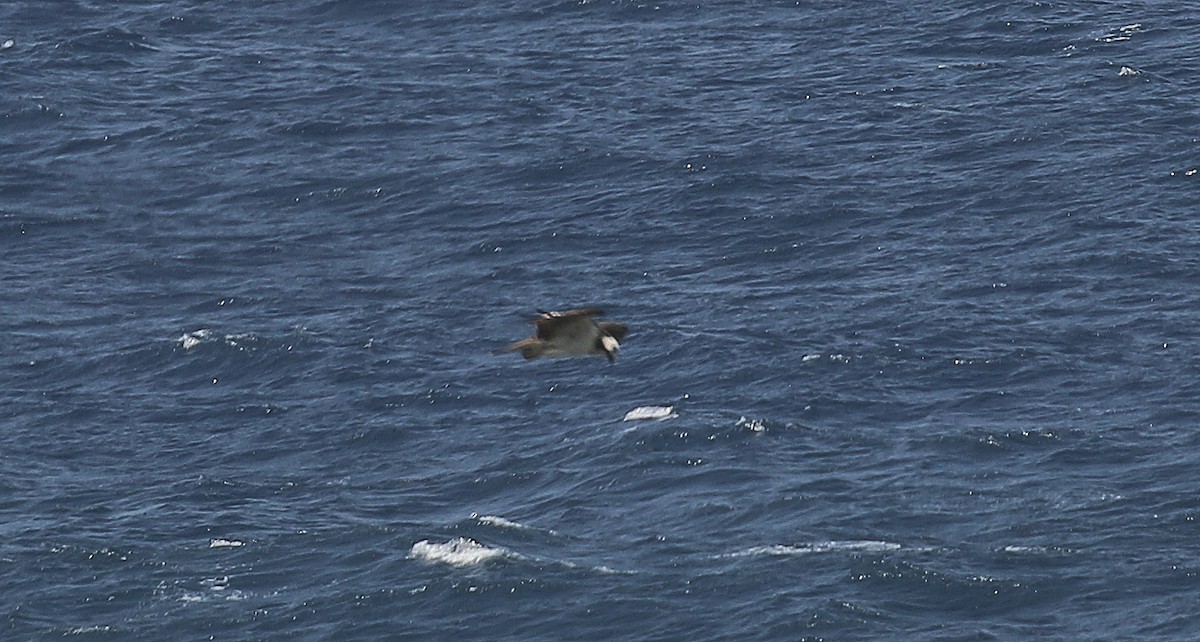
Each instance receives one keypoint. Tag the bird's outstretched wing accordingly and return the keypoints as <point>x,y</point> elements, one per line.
<point>551,324</point>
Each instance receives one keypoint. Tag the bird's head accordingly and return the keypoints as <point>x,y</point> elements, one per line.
<point>610,347</point>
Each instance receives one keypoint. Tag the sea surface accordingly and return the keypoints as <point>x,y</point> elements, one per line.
<point>913,291</point>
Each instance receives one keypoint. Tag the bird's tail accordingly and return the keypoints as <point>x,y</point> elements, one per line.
<point>506,349</point>
<point>529,348</point>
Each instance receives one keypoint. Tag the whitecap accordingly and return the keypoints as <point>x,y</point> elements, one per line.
<point>460,551</point>
<point>659,413</point>
<point>854,546</point>
<point>774,549</point>
<point>86,630</point>
<point>1016,549</point>
<point>496,520</point>
<point>501,522</point>
<point>225,543</point>
<point>242,342</point>
<point>192,339</point>
<point>192,597</point>
<point>216,583</point>
<point>216,588</point>
<point>755,425</point>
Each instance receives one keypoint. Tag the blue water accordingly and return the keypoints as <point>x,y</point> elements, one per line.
<point>912,290</point>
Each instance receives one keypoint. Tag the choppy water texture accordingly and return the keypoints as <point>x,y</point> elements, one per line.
<point>912,289</point>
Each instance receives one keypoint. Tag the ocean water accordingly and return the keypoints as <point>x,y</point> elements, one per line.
<point>912,290</point>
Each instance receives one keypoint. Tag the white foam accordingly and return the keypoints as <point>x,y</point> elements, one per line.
<point>501,522</point>
<point>192,339</point>
<point>85,630</point>
<point>855,546</point>
<point>642,413</point>
<point>496,520</point>
<point>193,597</point>
<point>755,425</point>
<point>460,551</point>
<point>216,588</point>
<point>225,543</point>
<point>216,583</point>
<point>239,341</point>
<point>1033,550</point>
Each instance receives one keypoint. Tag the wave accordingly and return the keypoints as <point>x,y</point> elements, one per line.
<point>643,413</point>
<point>853,546</point>
<point>460,551</point>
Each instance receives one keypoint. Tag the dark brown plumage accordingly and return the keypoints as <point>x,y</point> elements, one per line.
<point>571,333</point>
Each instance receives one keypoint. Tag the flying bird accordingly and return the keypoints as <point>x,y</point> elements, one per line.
<point>571,333</point>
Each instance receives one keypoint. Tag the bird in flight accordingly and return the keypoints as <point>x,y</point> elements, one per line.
<point>571,333</point>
